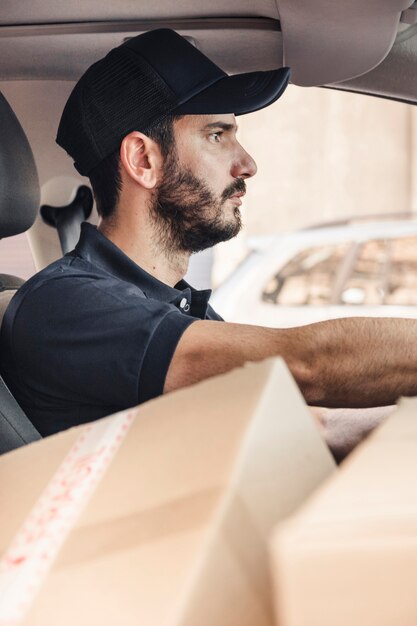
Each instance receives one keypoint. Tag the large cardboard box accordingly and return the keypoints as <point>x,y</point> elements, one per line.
<point>349,556</point>
<point>176,530</point>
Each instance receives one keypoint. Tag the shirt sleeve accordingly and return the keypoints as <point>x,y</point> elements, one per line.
<point>93,346</point>
<point>159,353</point>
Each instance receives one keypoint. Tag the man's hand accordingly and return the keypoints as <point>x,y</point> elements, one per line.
<point>343,429</point>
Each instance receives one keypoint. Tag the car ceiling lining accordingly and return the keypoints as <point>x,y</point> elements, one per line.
<point>61,50</point>
<point>120,26</point>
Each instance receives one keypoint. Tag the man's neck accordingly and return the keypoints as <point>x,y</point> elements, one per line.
<point>143,247</point>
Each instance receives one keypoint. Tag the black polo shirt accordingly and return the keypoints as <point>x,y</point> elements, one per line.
<point>93,334</point>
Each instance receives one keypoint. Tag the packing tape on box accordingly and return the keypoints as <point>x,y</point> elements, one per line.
<point>36,545</point>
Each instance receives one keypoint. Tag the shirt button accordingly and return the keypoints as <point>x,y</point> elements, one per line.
<point>184,305</point>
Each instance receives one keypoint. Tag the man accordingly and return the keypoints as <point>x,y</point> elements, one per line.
<point>113,324</point>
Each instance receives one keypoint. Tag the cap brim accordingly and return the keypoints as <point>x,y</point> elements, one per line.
<point>238,94</point>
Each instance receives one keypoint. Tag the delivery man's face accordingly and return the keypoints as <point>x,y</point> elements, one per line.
<point>203,182</point>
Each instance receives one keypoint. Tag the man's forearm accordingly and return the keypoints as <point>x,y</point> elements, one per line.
<point>350,362</point>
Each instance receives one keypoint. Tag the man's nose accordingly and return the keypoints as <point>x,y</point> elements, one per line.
<point>244,166</point>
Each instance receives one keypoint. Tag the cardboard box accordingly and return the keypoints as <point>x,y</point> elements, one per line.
<point>176,531</point>
<point>349,556</point>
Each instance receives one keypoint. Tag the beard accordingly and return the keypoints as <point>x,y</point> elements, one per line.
<point>187,215</point>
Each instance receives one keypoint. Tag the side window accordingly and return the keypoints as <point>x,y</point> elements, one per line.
<point>16,257</point>
<point>308,279</point>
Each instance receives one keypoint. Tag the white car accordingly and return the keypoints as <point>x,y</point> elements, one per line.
<point>328,272</point>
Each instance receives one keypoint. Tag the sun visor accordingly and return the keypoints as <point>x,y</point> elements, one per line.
<point>328,42</point>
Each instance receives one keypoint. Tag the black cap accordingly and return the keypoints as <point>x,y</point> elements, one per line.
<point>145,79</point>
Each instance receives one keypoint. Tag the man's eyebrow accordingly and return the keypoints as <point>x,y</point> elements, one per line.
<point>223,125</point>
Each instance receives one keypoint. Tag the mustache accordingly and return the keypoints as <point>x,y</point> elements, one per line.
<point>237,186</point>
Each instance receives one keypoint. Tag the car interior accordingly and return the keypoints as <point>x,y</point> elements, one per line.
<point>360,46</point>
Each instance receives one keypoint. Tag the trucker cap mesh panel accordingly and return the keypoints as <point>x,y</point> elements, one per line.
<point>124,94</point>
<point>139,92</point>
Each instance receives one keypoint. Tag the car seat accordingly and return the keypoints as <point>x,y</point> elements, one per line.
<point>19,204</point>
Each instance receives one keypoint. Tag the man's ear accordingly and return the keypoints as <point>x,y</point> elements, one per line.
<point>141,158</point>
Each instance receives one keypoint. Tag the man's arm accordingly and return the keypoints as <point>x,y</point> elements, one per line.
<point>350,362</point>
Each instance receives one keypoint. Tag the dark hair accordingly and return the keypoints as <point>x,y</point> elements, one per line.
<point>105,178</point>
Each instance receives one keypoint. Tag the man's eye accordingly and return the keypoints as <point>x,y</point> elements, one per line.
<point>215,137</point>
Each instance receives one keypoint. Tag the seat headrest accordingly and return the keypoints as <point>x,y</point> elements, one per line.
<point>19,183</point>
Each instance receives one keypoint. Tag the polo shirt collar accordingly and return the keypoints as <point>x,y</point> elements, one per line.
<point>94,247</point>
